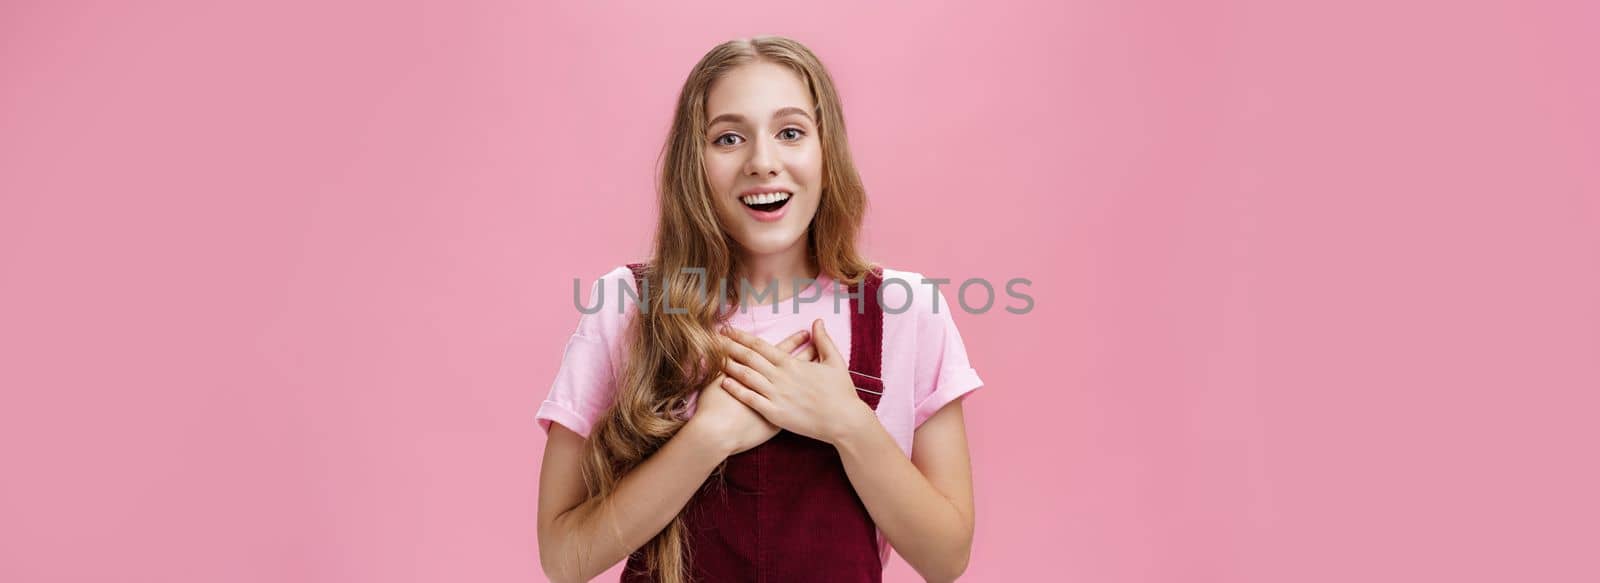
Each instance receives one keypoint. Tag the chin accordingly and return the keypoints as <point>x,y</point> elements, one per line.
<point>770,245</point>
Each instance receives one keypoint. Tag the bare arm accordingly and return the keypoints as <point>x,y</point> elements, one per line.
<point>924,504</point>
<point>644,502</point>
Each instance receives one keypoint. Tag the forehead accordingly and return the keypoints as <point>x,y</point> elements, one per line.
<point>756,90</point>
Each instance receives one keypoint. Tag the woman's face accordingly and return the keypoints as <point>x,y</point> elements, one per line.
<point>762,139</point>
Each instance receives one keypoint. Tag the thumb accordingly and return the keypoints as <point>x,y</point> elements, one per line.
<point>827,352</point>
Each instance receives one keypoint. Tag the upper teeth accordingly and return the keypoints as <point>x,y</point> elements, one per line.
<point>766,198</point>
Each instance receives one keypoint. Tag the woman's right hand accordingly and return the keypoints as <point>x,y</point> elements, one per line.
<point>732,423</point>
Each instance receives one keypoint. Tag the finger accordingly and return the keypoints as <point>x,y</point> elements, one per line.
<point>748,356</point>
<point>750,398</point>
<point>794,341</point>
<point>807,354</point>
<point>768,351</point>
<point>749,377</point>
<point>826,351</point>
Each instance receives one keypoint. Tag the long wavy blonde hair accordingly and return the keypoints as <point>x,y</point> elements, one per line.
<point>671,356</point>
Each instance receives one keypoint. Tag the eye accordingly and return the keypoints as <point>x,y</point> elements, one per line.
<point>796,131</point>
<point>720,141</point>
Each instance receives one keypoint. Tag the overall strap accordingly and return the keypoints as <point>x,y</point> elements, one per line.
<point>866,325</point>
<point>638,270</point>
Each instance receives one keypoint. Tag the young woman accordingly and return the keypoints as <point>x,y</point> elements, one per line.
<point>792,435</point>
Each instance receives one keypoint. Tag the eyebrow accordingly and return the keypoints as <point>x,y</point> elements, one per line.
<point>736,118</point>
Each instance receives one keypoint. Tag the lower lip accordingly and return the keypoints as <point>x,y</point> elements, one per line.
<point>769,216</point>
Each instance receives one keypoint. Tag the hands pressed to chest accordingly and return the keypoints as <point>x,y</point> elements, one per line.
<point>816,399</point>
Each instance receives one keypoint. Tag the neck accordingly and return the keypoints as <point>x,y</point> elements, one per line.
<point>786,268</point>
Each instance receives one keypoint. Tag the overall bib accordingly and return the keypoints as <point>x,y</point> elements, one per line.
<point>784,511</point>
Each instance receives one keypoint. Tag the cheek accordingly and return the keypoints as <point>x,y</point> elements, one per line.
<point>808,166</point>
<point>721,172</point>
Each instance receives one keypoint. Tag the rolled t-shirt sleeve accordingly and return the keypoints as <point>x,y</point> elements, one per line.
<point>943,373</point>
<point>585,383</point>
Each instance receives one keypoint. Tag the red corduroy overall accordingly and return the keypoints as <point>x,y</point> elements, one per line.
<point>786,511</point>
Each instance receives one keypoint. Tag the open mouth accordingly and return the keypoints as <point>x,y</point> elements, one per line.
<point>766,202</point>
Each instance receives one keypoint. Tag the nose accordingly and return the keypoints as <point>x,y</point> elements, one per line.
<point>763,159</point>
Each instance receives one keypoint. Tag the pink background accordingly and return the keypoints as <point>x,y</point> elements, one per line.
<point>1318,287</point>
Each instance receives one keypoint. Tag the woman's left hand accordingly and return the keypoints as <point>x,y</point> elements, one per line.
<point>814,399</point>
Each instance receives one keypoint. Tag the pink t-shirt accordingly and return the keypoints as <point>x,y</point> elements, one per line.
<point>925,365</point>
